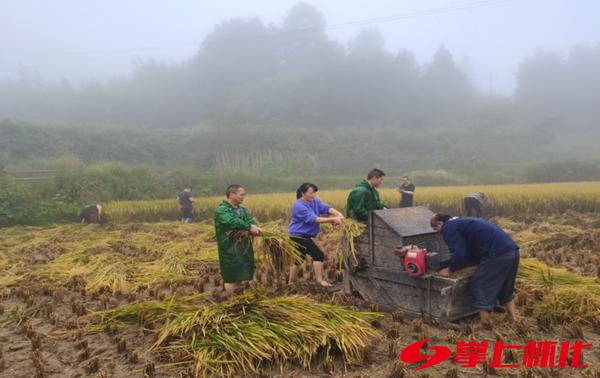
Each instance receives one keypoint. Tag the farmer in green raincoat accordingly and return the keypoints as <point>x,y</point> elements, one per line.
<point>365,197</point>
<point>236,256</point>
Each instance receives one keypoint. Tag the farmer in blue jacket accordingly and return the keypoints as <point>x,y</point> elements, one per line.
<point>308,212</point>
<point>474,241</point>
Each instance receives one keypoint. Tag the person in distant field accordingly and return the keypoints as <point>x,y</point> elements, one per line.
<point>185,203</point>
<point>236,257</point>
<point>308,212</point>
<point>474,241</point>
<point>474,203</point>
<point>408,192</point>
<point>365,197</point>
<point>91,214</point>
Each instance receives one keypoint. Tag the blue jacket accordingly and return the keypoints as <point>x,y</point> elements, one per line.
<point>304,217</point>
<point>473,240</point>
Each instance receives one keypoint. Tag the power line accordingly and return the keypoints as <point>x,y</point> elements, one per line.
<point>429,12</point>
<point>370,21</point>
<point>111,51</point>
<point>350,24</point>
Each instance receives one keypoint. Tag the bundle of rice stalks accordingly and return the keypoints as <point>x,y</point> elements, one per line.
<point>348,231</point>
<point>568,304</point>
<point>143,312</point>
<point>566,296</point>
<point>242,334</point>
<point>352,229</point>
<point>277,250</point>
<point>535,272</point>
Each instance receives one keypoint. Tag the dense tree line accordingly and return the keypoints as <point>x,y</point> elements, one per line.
<point>250,73</point>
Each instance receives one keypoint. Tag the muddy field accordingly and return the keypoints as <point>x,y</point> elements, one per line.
<point>56,280</point>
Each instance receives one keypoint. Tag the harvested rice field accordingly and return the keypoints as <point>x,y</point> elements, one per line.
<point>138,299</point>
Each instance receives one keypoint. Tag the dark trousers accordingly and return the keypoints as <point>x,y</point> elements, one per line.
<point>186,213</point>
<point>88,216</point>
<point>406,200</point>
<point>473,207</point>
<point>307,246</point>
<point>494,281</point>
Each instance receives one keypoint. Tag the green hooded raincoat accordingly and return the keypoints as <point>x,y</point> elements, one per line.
<point>236,256</point>
<point>362,199</point>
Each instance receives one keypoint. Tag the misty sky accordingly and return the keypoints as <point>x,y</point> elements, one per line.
<point>76,39</point>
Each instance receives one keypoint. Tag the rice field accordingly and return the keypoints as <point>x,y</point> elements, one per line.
<point>504,200</point>
<point>141,295</point>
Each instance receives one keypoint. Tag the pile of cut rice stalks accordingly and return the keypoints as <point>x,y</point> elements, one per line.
<point>558,295</point>
<point>249,332</point>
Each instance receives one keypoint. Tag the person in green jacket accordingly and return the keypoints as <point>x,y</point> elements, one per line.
<point>236,256</point>
<point>365,197</point>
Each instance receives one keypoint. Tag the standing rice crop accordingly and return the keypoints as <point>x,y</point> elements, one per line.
<point>504,200</point>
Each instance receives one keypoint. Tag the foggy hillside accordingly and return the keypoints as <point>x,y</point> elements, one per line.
<point>292,74</point>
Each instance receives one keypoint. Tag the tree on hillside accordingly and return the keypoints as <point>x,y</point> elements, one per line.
<point>446,86</point>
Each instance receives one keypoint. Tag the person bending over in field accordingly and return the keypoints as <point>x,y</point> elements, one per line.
<point>478,242</point>
<point>308,212</point>
<point>91,214</point>
<point>236,256</point>
<point>185,203</point>
<point>474,204</point>
<point>365,197</point>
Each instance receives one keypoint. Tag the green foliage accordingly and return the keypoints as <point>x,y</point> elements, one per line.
<point>291,152</point>
<point>103,181</point>
<point>21,205</point>
<point>101,165</point>
<point>563,171</point>
<point>10,199</point>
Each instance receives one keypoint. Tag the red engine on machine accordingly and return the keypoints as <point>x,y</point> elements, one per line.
<point>415,262</point>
